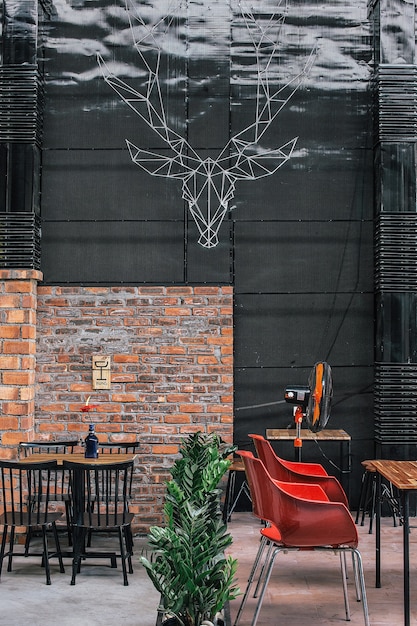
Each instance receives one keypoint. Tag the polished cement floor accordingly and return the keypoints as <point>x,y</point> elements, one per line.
<point>305,588</point>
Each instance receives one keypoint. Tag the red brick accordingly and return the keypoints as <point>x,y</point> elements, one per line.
<point>124,397</point>
<point>207,360</point>
<point>12,438</point>
<point>177,311</point>
<point>9,332</point>
<point>165,449</point>
<point>14,408</point>
<point>177,419</point>
<point>9,362</point>
<point>19,286</point>
<point>191,408</point>
<point>19,347</point>
<point>28,332</point>
<point>9,423</point>
<point>8,393</point>
<point>10,301</point>
<point>125,358</point>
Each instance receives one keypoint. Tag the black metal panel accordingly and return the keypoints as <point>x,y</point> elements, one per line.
<point>204,266</point>
<point>105,184</point>
<point>19,241</point>
<point>112,252</point>
<point>396,177</point>
<point>396,337</point>
<point>90,115</point>
<point>294,330</point>
<point>303,257</point>
<point>316,186</point>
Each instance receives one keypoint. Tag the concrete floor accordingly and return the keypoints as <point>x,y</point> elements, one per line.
<point>98,598</point>
<point>305,588</point>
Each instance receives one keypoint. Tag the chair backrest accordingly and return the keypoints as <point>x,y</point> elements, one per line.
<point>267,454</point>
<point>100,492</point>
<point>25,492</point>
<point>118,447</point>
<point>27,448</point>
<point>298,510</point>
<point>297,472</point>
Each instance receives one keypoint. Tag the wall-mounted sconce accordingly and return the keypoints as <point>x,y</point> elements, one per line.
<point>101,372</point>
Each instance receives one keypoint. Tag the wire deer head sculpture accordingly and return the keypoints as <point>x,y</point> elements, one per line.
<point>208,184</point>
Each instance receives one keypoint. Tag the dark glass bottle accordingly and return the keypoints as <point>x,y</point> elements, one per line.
<point>91,444</point>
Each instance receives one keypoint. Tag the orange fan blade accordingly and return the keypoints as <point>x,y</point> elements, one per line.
<point>318,392</point>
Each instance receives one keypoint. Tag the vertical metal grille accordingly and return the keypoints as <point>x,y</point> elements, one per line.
<point>396,252</point>
<point>20,235</point>
<point>395,403</point>
<point>21,104</point>
<point>396,116</point>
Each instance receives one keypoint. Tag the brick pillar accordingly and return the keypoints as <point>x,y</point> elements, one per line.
<point>18,301</point>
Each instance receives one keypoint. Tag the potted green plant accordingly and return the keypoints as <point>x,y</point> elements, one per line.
<point>189,567</point>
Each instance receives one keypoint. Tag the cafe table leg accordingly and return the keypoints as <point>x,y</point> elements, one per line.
<point>78,532</point>
<point>406,555</point>
<point>378,532</point>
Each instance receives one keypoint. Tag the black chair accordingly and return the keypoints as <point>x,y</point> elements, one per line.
<point>118,447</point>
<point>25,489</point>
<point>59,479</point>
<point>100,499</point>
<point>26,448</point>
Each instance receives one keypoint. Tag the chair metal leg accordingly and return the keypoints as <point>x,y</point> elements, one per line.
<point>344,583</point>
<point>356,576</point>
<point>262,545</point>
<point>358,557</point>
<point>264,586</point>
<point>261,574</point>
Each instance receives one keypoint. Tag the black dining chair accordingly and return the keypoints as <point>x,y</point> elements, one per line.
<point>26,448</point>
<point>117,447</point>
<point>59,479</point>
<point>25,502</point>
<point>100,502</point>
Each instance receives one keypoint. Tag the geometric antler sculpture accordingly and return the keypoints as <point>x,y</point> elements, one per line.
<point>208,184</point>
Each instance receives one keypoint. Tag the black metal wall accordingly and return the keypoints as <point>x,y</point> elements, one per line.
<point>297,246</point>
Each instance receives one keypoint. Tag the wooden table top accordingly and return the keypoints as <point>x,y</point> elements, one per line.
<point>402,474</point>
<point>289,434</point>
<point>78,457</point>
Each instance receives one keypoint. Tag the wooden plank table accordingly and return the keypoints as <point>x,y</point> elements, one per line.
<point>403,475</point>
<point>322,437</point>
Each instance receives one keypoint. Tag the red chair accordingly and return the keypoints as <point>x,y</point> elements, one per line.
<point>296,472</point>
<point>303,518</point>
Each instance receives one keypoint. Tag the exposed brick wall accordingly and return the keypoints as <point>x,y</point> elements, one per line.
<point>172,371</point>
<point>17,357</point>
